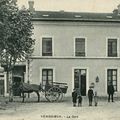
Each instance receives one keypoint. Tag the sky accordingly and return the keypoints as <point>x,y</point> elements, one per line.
<point>73,5</point>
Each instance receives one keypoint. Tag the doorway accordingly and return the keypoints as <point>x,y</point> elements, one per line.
<point>2,87</point>
<point>80,81</point>
<point>16,84</point>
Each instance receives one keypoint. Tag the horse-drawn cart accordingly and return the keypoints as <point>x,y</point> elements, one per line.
<point>53,92</point>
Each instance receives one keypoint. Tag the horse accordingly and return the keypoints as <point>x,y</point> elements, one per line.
<point>29,88</point>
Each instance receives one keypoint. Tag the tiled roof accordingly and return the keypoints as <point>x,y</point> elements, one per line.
<point>75,16</point>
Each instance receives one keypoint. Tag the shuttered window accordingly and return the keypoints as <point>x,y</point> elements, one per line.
<point>46,46</point>
<point>112,47</point>
<point>80,47</point>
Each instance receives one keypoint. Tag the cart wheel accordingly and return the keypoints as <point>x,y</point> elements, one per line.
<point>53,94</point>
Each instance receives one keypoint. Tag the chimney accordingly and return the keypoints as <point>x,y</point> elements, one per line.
<point>115,11</point>
<point>118,9</point>
<point>31,5</point>
<point>15,1</point>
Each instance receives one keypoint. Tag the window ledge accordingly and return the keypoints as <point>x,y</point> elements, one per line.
<point>71,57</point>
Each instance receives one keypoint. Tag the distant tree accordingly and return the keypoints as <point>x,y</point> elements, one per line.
<point>15,34</point>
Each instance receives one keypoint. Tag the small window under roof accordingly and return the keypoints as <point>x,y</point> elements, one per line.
<point>118,14</point>
<point>78,16</point>
<point>110,17</point>
<point>62,11</point>
<point>45,15</point>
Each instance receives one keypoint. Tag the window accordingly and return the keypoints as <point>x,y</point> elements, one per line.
<point>112,47</point>
<point>47,46</point>
<point>80,47</point>
<point>47,77</point>
<point>112,77</point>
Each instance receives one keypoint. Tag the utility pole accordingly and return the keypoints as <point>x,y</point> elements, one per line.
<point>28,69</point>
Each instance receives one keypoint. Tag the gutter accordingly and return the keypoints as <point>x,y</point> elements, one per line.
<point>75,20</point>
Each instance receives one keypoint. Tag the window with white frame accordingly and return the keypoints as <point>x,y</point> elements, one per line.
<point>112,47</point>
<point>47,46</point>
<point>79,46</point>
<point>47,77</point>
<point>112,77</point>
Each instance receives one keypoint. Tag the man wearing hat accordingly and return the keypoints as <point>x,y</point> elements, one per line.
<point>90,95</point>
<point>110,91</point>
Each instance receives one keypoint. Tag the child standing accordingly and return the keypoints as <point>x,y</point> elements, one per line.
<point>79,100</point>
<point>74,97</point>
<point>95,98</point>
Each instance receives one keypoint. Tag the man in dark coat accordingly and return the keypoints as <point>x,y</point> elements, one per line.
<point>90,96</point>
<point>110,91</point>
<point>74,97</point>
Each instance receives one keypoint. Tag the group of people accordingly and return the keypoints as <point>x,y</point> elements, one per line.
<point>76,98</point>
<point>92,95</point>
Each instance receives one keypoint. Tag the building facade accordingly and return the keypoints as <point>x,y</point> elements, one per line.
<point>79,49</point>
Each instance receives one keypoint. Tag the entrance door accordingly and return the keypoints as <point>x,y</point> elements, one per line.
<point>80,81</point>
<point>16,84</point>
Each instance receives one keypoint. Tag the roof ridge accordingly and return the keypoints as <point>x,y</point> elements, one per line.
<point>67,15</point>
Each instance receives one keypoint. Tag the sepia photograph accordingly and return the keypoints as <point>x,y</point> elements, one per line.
<point>59,59</point>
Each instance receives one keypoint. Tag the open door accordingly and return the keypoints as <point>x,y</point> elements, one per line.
<point>80,81</point>
<point>16,84</point>
<point>2,87</point>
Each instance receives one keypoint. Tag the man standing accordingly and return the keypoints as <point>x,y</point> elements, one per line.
<point>74,97</point>
<point>110,91</point>
<point>90,96</point>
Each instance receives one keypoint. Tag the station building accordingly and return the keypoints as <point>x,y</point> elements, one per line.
<point>77,48</point>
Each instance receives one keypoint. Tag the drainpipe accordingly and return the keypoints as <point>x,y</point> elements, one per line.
<point>79,82</point>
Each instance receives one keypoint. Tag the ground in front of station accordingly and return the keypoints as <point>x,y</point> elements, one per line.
<point>32,110</point>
